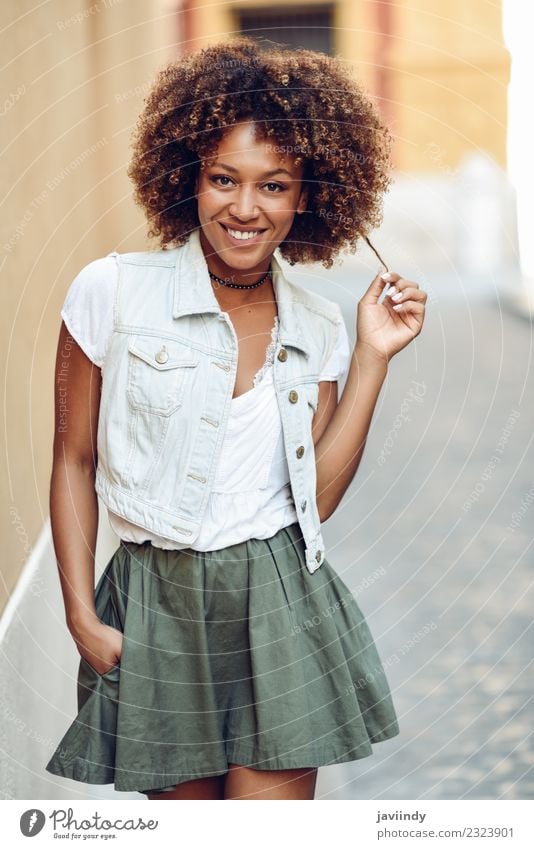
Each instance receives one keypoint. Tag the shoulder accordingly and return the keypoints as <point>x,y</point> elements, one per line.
<point>162,258</point>
<point>95,281</point>
<point>88,306</point>
<point>314,303</point>
<point>322,323</point>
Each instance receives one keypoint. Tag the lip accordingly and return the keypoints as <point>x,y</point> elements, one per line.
<point>242,242</point>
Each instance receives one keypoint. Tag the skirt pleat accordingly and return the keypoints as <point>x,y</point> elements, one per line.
<point>238,655</point>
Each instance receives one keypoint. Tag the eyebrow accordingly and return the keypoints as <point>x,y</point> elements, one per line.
<point>265,174</point>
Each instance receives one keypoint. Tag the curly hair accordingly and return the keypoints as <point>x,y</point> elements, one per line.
<point>303,101</point>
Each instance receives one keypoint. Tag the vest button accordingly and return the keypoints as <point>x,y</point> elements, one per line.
<point>300,451</point>
<point>162,356</point>
<point>282,355</point>
<point>303,506</point>
<point>293,396</point>
<point>318,556</point>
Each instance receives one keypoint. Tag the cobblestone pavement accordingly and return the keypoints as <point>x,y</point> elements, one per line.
<point>434,539</point>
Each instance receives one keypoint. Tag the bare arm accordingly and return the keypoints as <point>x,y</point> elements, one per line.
<point>73,499</point>
<point>340,447</point>
<point>383,329</point>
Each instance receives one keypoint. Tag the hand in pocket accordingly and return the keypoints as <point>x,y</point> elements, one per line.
<point>100,645</point>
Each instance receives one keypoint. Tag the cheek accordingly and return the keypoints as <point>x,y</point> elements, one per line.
<point>285,211</point>
<point>206,202</point>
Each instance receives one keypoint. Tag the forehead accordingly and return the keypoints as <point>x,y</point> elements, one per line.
<point>243,147</point>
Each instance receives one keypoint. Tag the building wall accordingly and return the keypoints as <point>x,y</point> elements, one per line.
<point>449,77</point>
<point>74,77</point>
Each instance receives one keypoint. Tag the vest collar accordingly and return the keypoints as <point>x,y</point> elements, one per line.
<point>193,292</point>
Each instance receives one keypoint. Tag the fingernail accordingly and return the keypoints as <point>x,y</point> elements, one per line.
<point>390,290</point>
<point>386,276</point>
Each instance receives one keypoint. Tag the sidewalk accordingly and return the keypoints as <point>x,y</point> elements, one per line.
<point>434,538</point>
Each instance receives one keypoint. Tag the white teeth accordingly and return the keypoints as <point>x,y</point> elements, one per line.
<point>247,234</point>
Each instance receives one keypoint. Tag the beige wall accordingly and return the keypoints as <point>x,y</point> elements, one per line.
<point>68,103</point>
<point>449,84</point>
<point>438,68</point>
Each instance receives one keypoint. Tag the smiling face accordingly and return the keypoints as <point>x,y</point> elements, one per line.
<point>247,198</point>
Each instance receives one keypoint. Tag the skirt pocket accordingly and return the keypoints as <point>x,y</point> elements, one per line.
<point>86,751</point>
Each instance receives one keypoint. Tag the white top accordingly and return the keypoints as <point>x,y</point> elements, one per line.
<point>251,496</point>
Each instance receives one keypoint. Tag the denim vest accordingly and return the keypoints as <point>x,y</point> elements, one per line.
<point>167,384</point>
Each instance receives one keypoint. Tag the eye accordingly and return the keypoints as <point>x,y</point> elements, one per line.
<point>220,177</point>
<point>277,185</point>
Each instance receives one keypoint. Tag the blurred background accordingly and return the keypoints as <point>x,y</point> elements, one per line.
<point>434,537</point>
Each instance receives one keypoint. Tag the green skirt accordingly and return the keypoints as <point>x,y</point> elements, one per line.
<point>238,655</point>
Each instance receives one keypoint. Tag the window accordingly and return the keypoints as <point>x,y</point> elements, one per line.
<point>300,26</point>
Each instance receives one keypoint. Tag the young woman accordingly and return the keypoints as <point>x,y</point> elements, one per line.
<point>221,654</point>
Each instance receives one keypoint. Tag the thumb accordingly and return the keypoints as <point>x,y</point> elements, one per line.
<point>380,282</point>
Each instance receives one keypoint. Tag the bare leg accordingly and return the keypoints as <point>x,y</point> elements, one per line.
<point>198,788</point>
<point>243,782</point>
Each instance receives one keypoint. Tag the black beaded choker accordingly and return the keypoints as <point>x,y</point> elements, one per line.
<point>238,285</point>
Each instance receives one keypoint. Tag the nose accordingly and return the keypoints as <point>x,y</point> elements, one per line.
<point>244,205</point>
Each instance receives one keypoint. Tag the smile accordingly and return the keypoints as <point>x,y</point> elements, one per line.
<point>242,235</point>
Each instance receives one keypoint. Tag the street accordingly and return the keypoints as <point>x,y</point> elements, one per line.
<point>434,539</point>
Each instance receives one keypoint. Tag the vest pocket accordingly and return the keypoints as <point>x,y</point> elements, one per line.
<point>157,373</point>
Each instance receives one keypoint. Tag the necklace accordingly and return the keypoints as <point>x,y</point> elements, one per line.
<point>238,285</point>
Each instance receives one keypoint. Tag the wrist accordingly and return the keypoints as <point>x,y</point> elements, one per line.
<point>81,621</point>
<point>370,358</point>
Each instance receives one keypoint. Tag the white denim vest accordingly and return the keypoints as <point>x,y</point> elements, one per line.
<point>167,384</point>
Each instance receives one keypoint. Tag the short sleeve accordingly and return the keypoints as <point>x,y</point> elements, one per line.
<point>88,307</point>
<point>338,363</point>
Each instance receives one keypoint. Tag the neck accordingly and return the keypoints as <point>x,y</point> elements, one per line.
<point>239,276</point>
<point>231,283</point>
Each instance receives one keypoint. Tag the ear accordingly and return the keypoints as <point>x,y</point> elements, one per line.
<point>303,200</point>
